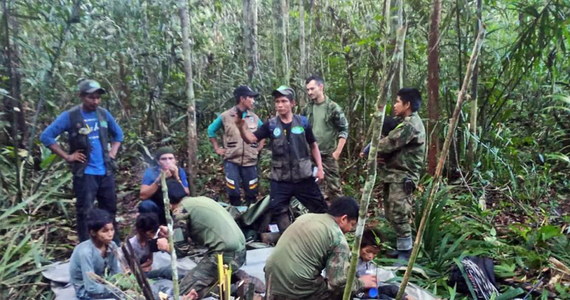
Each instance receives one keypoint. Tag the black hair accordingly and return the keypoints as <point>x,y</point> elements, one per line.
<point>238,99</point>
<point>98,218</point>
<point>176,191</point>
<point>146,222</point>
<point>412,96</point>
<point>344,206</point>
<point>316,78</point>
<point>370,237</point>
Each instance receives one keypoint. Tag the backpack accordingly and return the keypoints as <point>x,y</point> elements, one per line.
<point>474,275</point>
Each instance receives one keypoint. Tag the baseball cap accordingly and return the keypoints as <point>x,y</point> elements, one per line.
<point>284,91</point>
<point>89,86</point>
<point>244,90</point>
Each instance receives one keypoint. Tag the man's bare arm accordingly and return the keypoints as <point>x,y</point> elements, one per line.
<point>246,135</point>
<point>78,155</point>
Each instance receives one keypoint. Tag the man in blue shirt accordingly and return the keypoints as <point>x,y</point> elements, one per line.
<point>90,130</point>
<point>151,189</point>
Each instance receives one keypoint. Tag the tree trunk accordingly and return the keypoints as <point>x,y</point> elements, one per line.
<point>442,156</point>
<point>249,24</point>
<point>433,87</point>
<point>13,104</point>
<point>471,146</point>
<point>191,103</point>
<point>281,17</point>
<point>302,51</point>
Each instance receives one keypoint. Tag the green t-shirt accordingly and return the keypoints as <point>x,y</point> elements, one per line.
<point>312,243</point>
<point>207,223</point>
<point>328,122</point>
<point>327,136</point>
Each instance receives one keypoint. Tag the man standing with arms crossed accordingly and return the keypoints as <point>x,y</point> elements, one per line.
<point>331,131</point>
<point>91,128</point>
<point>240,158</point>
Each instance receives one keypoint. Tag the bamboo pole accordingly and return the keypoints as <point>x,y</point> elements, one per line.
<point>169,222</point>
<point>442,158</point>
<point>372,162</point>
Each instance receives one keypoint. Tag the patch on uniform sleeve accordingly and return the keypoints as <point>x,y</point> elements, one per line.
<point>103,124</point>
<point>297,130</point>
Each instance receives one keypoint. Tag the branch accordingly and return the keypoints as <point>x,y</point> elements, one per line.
<point>169,222</point>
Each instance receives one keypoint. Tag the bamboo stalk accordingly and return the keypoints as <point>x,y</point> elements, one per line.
<point>442,158</point>
<point>372,162</point>
<point>169,222</point>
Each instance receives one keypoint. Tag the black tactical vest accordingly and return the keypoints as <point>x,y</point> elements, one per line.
<point>78,141</point>
<point>291,159</point>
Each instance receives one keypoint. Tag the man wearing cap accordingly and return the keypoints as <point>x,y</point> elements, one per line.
<point>331,130</point>
<point>293,145</point>
<point>240,158</point>
<point>90,130</point>
<point>151,190</point>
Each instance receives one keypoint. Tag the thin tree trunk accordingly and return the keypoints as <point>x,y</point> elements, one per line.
<point>170,224</point>
<point>191,103</point>
<point>442,157</point>
<point>471,146</point>
<point>281,19</point>
<point>377,122</point>
<point>303,55</point>
<point>249,23</point>
<point>433,86</point>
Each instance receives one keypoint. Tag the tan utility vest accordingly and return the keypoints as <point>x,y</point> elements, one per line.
<point>237,150</point>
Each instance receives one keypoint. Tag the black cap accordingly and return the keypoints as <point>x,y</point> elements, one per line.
<point>244,90</point>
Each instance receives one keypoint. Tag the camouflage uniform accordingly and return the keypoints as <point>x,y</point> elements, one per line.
<point>328,128</point>
<point>312,243</point>
<point>206,223</point>
<point>404,152</point>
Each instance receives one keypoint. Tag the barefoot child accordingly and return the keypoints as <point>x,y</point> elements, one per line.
<point>95,255</point>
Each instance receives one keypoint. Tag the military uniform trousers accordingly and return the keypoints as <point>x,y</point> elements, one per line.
<point>332,187</point>
<point>398,209</point>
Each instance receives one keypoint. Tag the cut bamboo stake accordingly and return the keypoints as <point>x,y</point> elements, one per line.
<point>372,162</point>
<point>442,158</point>
<point>169,222</point>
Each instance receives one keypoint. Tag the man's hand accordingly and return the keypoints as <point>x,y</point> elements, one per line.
<point>113,154</point>
<point>147,265</point>
<point>76,156</point>
<point>368,281</point>
<point>192,295</point>
<point>163,232</point>
<point>336,155</point>
<point>362,155</point>
<point>221,151</point>
<point>320,175</point>
<point>162,244</point>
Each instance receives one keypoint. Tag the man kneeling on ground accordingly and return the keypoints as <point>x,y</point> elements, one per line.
<point>204,222</point>
<point>312,243</point>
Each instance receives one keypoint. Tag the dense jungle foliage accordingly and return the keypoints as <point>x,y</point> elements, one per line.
<point>506,186</point>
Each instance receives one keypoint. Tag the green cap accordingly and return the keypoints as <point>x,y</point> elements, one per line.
<point>89,86</point>
<point>284,91</point>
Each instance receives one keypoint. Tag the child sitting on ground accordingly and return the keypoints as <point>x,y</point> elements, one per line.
<point>145,243</point>
<point>96,255</point>
<point>369,249</point>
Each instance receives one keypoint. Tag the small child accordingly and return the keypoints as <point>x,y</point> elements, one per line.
<point>95,255</point>
<point>145,243</point>
<point>369,249</point>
